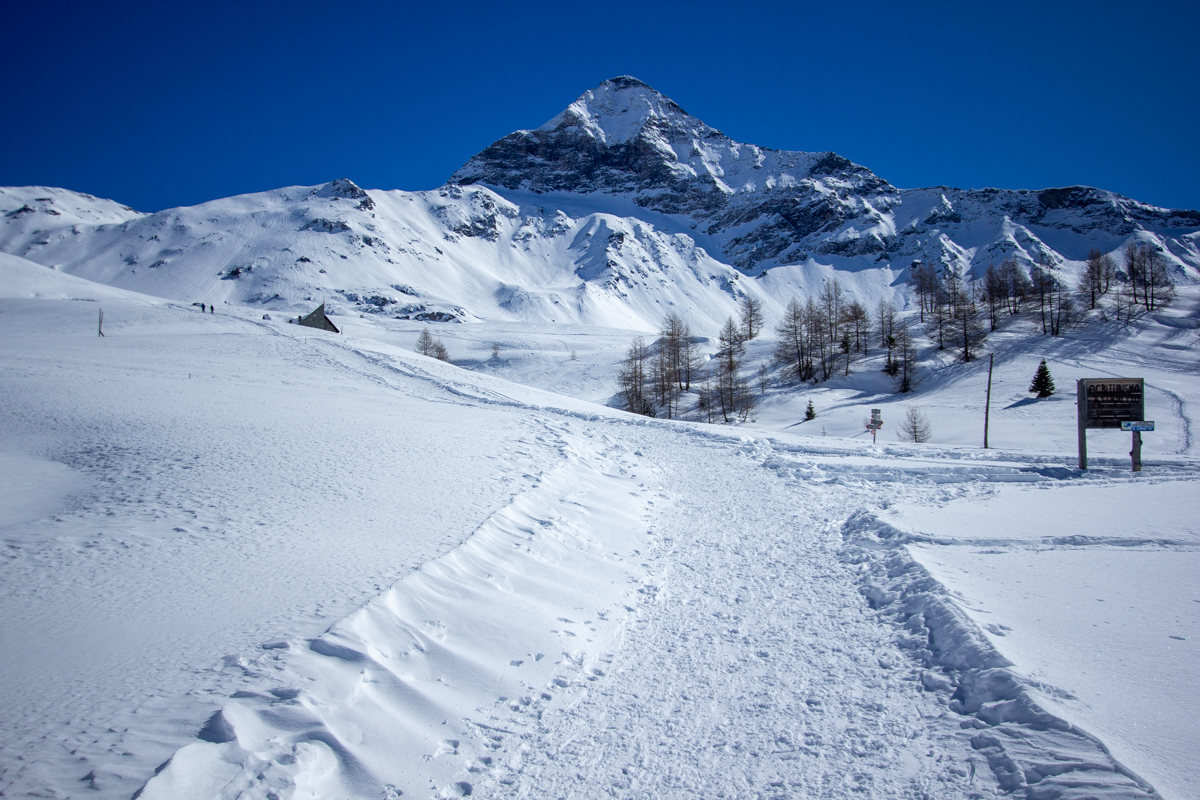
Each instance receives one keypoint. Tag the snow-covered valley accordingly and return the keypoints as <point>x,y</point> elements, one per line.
<point>245,558</point>
<point>389,574</point>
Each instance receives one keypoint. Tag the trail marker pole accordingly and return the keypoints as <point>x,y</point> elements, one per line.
<point>1135,453</point>
<point>875,423</point>
<point>100,326</point>
<point>987,406</point>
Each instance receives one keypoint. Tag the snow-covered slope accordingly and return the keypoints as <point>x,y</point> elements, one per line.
<point>458,253</point>
<point>620,209</point>
<point>244,559</point>
<point>32,209</point>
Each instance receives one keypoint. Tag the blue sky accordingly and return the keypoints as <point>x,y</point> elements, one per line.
<point>166,104</point>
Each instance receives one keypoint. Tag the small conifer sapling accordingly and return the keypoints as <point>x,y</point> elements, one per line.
<point>1042,382</point>
<point>810,413</point>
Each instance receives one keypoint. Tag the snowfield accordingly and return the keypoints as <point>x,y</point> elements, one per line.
<point>243,558</point>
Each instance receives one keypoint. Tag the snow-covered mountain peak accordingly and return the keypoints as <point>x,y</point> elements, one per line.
<point>618,208</point>
<point>619,109</point>
<point>625,139</point>
<point>757,208</point>
<point>341,188</point>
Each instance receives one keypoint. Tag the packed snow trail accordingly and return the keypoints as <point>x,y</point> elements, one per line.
<point>773,646</point>
<point>755,668</point>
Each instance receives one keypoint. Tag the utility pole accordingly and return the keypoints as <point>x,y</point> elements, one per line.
<point>987,407</point>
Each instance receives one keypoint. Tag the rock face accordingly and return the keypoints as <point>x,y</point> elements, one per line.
<point>764,207</point>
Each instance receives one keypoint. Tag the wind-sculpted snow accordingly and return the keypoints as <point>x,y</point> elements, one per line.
<point>456,658</point>
<point>1031,751</point>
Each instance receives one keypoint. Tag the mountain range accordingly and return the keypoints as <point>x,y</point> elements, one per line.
<point>618,209</point>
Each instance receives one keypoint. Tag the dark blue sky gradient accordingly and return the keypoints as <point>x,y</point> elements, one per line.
<point>166,104</point>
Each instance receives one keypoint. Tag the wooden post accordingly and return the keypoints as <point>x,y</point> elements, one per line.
<point>987,407</point>
<point>1136,453</point>
<point>100,325</point>
<point>1081,410</point>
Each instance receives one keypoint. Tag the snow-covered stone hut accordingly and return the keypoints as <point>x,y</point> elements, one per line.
<point>317,319</point>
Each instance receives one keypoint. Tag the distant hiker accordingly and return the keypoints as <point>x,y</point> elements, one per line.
<point>202,308</point>
<point>212,309</point>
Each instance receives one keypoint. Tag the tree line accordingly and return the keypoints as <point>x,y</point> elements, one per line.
<point>816,340</point>
<point>821,337</point>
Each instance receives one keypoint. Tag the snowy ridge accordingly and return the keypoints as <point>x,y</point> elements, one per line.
<point>1029,750</point>
<point>32,207</point>
<point>454,254</point>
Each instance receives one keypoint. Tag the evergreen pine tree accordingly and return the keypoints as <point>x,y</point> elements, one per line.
<point>810,412</point>
<point>1042,383</point>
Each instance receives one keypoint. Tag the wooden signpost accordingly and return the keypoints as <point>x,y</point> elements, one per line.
<point>1137,426</point>
<point>1118,403</point>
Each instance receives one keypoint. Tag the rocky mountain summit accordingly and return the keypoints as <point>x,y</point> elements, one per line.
<point>763,207</point>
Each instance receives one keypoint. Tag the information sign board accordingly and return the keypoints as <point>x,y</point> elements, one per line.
<point>1107,402</point>
<point>1112,403</point>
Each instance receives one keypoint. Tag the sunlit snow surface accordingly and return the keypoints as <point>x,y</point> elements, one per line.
<point>298,564</point>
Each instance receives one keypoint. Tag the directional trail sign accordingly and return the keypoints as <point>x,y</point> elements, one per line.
<point>875,423</point>
<point>1139,425</point>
